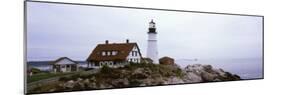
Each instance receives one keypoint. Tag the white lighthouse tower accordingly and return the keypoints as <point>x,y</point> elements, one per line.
<point>152,51</point>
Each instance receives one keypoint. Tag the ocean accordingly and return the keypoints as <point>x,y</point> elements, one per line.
<point>250,68</point>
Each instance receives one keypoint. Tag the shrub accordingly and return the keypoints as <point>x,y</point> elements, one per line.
<point>72,77</point>
<point>178,72</point>
<point>75,77</point>
<point>85,76</point>
<point>138,76</point>
<point>35,70</point>
<point>64,79</point>
<point>106,69</point>
<point>87,69</point>
<point>108,73</point>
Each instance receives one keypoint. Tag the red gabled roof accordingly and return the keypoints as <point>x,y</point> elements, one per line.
<point>123,50</point>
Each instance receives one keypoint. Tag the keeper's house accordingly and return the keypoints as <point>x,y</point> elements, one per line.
<point>114,55</point>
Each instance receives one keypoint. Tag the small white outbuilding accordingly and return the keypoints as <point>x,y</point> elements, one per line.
<point>64,64</point>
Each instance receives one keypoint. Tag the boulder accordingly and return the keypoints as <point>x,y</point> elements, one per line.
<point>174,80</point>
<point>69,84</point>
<point>120,82</point>
<point>139,73</point>
<point>207,73</point>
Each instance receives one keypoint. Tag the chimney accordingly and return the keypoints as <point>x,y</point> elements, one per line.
<point>127,41</point>
<point>106,41</point>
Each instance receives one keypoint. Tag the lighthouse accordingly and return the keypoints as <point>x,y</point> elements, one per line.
<point>152,51</point>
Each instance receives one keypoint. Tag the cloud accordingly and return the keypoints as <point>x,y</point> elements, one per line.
<point>72,30</point>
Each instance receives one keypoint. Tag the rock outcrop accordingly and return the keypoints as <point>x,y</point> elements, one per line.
<point>143,75</point>
<point>206,73</point>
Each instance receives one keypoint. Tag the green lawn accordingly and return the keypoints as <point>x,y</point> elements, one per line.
<point>41,76</point>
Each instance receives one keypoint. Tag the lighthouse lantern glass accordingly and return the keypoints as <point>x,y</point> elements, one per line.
<point>151,25</point>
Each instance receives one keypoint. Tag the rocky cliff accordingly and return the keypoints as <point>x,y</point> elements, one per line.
<point>135,75</point>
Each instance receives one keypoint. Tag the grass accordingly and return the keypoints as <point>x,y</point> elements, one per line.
<point>44,75</point>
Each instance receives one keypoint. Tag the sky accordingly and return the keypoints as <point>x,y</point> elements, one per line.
<point>58,30</point>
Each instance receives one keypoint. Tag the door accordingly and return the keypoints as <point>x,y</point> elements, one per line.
<point>63,68</point>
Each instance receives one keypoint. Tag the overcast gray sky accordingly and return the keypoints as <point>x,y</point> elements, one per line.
<point>56,30</point>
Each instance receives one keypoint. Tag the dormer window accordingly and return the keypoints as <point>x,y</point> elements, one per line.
<point>103,53</point>
<point>108,53</point>
<point>114,52</point>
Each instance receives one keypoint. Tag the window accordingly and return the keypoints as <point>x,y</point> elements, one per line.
<point>136,53</point>
<point>108,53</point>
<point>96,64</point>
<point>114,52</point>
<point>103,53</point>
